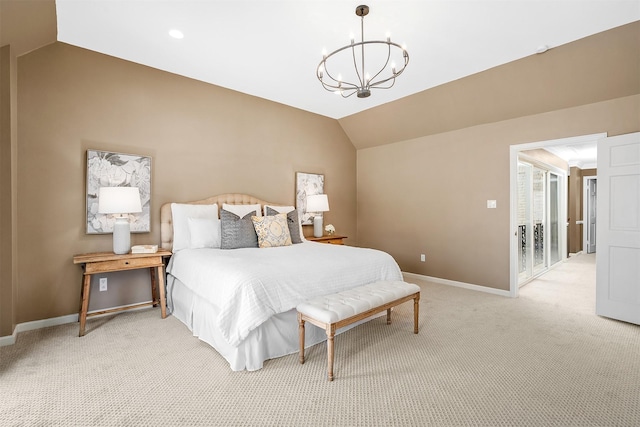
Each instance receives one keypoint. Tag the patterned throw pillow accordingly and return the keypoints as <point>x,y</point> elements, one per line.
<point>237,232</point>
<point>293,221</point>
<point>272,231</point>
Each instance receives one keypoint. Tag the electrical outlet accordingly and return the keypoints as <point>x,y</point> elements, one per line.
<point>423,257</point>
<point>103,284</point>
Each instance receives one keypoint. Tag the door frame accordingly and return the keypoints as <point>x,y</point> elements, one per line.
<point>585,213</point>
<point>514,151</point>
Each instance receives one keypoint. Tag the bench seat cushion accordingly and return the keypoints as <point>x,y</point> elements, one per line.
<point>336,307</point>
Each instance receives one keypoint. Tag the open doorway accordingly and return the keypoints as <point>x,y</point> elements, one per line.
<point>562,237</point>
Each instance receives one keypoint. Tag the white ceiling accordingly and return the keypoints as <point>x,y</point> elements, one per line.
<point>583,155</point>
<point>271,49</point>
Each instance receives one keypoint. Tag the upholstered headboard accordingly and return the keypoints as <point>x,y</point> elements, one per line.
<point>166,222</point>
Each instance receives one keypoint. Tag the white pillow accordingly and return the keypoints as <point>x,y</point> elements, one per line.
<point>286,209</point>
<point>242,210</point>
<point>180,213</point>
<point>204,233</point>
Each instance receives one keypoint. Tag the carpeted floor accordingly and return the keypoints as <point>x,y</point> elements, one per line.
<point>543,359</point>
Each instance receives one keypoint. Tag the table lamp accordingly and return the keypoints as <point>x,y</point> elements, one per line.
<point>317,203</point>
<point>120,201</point>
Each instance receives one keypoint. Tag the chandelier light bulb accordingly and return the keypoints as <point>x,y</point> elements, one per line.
<point>370,71</point>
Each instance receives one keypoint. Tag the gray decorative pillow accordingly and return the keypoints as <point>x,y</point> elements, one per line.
<point>292,221</point>
<point>237,232</point>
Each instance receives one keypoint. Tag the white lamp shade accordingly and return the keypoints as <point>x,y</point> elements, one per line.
<point>119,200</point>
<point>318,203</point>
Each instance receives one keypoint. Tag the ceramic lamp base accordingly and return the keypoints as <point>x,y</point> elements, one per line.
<point>121,236</point>
<point>317,226</point>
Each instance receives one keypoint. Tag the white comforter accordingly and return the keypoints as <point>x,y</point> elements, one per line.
<point>250,285</point>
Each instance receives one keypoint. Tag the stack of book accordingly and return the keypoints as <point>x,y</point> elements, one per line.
<point>144,249</point>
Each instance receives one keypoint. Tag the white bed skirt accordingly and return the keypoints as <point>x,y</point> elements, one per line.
<point>276,337</point>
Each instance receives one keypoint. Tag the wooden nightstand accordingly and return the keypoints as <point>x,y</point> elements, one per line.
<point>106,262</point>
<point>333,239</point>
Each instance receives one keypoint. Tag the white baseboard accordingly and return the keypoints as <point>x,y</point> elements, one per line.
<point>469,286</point>
<point>8,339</point>
<point>71,318</point>
<point>37,324</point>
<point>55,321</point>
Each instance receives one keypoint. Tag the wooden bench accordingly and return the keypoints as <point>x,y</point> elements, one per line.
<point>334,311</point>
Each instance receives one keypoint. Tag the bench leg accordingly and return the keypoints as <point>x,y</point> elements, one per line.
<point>388,316</point>
<point>416,312</point>
<point>331,331</point>
<point>301,337</point>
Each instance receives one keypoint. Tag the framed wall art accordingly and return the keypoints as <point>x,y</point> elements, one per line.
<point>107,169</point>
<point>307,184</point>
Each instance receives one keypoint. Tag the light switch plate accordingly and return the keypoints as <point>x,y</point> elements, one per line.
<point>492,204</point>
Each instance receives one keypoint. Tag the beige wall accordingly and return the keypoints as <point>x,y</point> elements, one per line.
<point>203,140</point>
<point>424,192</point>
<point>445,181</point>
<point>8,189</point>
<point>24,26</point>
<point>593,69</point>
<point>428,163</point>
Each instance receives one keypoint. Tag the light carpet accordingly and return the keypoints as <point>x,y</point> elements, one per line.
<point>543,359</point>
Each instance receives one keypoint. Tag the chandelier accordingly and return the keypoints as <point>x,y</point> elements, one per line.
<point>379,71</point>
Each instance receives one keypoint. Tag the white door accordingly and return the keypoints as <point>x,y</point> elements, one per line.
<point>531,221</point>
<point>591,214</point>
<point>618,230</point>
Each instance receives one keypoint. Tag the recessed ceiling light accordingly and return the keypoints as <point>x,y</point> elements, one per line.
<point>176,34</point>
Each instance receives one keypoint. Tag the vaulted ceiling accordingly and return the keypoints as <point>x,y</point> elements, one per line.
<point>271,49</point>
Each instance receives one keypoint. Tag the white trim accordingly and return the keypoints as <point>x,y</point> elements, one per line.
<point>9,339</point>
<point>55,321</point>
<point>469,286</point>
<point>514,150</point>
<point>37,324</point>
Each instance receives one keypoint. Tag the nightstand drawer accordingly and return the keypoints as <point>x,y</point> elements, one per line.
<point>122,264</point>
<point>337,241</point>
<point>332,239</point>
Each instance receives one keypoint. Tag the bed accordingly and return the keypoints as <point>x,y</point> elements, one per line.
<point>241,300</point>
